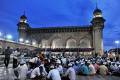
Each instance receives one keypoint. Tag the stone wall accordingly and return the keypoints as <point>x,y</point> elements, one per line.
<point>4,44</point>
<point>63,39</point>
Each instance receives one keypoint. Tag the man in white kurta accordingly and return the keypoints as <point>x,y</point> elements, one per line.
<point>36,72</point>
<point>54,74</point>
<point>22,70</point>
<point>71,72</point>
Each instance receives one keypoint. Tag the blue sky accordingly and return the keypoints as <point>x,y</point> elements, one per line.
<point>42,13</point>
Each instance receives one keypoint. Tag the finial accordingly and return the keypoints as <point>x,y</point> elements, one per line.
<point>96,4</point>
<point>24,12</point>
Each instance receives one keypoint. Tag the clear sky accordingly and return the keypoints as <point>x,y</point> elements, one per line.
<point>42,13</point>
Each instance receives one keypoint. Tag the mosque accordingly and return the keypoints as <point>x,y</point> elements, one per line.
<point>90,36</point>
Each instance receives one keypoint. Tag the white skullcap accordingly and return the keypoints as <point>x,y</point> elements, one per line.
<point>104,63</point>
<point>82,63</point>
<point>53,56</point>
<point>58,61</point>
<point>31,60</point>
<point>22,62</point>
<point>70,64</point>
<point>117,62</point>
<point>77,62</point>
<point>52,66</point>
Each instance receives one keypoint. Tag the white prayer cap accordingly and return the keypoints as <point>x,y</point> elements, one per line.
<point>70,64</point>
<point>118,63</point>
<point>53,56</point>
<point>22,62</point>
<point>108,61</point>
<point>52,66</point>
<point>58,61</point>
<point>104,63</point>
<point>31,60</point>
<point>82,63</point>
<point>77,62</point>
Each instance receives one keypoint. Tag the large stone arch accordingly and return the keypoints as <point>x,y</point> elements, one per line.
<point>44,43</point>
<point>85,43</point>
<point>57,43</point>
<point>71,43</point>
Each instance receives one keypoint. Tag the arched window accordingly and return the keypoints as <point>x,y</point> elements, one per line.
<point>71,43</point>
<point>44,43</point>
<point>57,43</point>
<point>85,43</point>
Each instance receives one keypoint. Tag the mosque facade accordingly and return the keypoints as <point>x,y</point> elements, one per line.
<point>90,36</point>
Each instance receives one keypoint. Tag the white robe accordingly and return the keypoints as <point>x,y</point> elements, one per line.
<point>54,74</point>
<point>71,73</point>
<point>22,70</point>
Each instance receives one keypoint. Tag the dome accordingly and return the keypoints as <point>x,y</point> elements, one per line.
<point>23,17</point>
<point>97,13</point>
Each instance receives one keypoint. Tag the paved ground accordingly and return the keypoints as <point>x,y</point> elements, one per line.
<point>7,74</point>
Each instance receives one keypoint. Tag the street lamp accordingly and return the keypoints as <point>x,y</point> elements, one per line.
<point>117,43</point>
<point>34,43</point>
<point>0,34</point>
<point>27,41</point>
<point>21,40</point>
<point>9,36</point>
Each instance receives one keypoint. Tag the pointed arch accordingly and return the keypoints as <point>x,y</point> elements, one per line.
<point>71,43</point>
<point>44,43</point>
<point>57,43</point>
<point>85,43</point>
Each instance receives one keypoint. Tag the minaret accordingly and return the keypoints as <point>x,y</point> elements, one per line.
<point>98,26</point>
<point>23,26</point>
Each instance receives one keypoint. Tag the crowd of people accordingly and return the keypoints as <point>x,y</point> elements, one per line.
<point>44,67</point>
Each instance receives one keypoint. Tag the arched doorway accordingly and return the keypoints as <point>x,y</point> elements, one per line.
<point>57,43</point>
<point>85,43</point>
<point>71,43</point>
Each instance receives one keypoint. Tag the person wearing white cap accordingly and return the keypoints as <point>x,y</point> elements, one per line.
<point>39,71</point>
<point>70,72</point>
<point>117,71</point>
<point>54,74</point>
<point>64,60</point>
<point>15,57</point>
<point>22,70</point>
<point>76,67</point>
<point>59,67</point>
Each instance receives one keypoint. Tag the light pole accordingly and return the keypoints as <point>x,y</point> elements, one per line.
<point>117,43</point>
<point>9,37</point>
<point>34,43</point>
<point>21,40</point>
<point>27,41</point>
<point>0,34</point>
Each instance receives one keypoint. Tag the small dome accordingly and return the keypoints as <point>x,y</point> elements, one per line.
<point>96,11</point>
<point>23,17</point>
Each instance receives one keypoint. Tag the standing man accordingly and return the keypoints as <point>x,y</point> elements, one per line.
<point>15,61</point>
<point>15,57</point>
<point>22,70</point>
<point>7,53</point>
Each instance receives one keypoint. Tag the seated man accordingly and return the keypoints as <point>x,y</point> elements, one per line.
<point>53,74</point>
<point>85,69</point>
